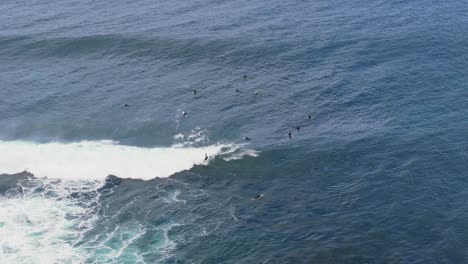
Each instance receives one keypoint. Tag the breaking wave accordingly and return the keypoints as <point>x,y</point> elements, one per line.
<point>95,160</point>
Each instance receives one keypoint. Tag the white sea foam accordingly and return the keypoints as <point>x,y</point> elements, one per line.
<point>91,160</point>
<point>44,220</point>
<point>41,222</point>
<point>195,137</point>
<point>237,154</point>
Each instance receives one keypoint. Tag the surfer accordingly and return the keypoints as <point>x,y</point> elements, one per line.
<point>194,91</point>
<point>256,93</point>
<point>257,196</point>
<point>247,138</point>
<point>238,91</point>
<point>184,113</point>
<point>245,77</point>
<point>298,128</point>
<point>290,135</point>
<point>126,105</point>
<point>310,117</point>
<point>206,157</point>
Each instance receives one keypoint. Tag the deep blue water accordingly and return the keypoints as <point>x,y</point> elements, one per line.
<point>377,175</point>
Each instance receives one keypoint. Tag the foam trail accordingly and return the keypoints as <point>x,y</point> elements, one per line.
<point>94,160</point>
<point>41,222</point>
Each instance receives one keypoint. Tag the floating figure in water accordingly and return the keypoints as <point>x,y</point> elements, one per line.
<point>257,196</point>
<point>245,77</point>
<point>298,128</point>
<point>206,157</point>
<point>290,135</point>
<point>310,117</point>
<point>126,105</point>
<point>247,138</point>
<point>194,91</point>
<point>238,91</point>
<point>184,113</point>
<point>256,93</point>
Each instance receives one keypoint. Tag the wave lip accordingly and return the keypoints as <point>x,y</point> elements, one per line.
<point>95,160</point>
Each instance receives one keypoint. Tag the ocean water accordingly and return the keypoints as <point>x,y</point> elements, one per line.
<point>378,174</point>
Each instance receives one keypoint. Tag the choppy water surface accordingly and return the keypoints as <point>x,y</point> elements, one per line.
<point>376,175</point>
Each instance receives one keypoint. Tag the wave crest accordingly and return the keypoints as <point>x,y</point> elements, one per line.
<point>95,160</point>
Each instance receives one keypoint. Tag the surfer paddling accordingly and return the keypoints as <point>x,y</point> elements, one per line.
<point>257,196</point>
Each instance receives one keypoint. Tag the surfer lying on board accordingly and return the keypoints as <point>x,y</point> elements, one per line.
<point>257,196</point>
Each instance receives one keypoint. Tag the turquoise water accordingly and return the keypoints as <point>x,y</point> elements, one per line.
<point>376,175</point>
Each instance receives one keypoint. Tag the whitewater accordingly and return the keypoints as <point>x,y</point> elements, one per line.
<point>44,218</point>
<point>92,160</point>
